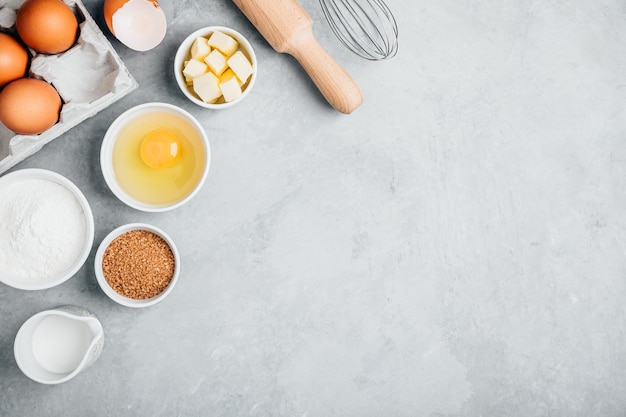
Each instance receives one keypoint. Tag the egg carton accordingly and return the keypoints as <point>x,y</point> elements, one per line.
<point>89,77</point>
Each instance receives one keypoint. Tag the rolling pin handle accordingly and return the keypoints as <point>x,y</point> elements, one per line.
<point>335,84</point>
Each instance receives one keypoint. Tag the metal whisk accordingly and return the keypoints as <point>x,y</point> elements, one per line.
<point>366,27</point>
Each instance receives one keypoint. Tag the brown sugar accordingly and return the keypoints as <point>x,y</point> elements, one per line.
<point>138,264</point>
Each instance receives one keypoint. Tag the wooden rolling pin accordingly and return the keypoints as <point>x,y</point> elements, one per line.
<point>289,29</point>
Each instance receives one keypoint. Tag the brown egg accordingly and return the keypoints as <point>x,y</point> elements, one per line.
<point>29,106</point>
<point>47,26</point>
<point>13,59</point>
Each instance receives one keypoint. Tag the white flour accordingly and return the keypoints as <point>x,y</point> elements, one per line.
<point>42,229</point>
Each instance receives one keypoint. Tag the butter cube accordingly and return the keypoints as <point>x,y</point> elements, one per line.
<point>230,89</point>
<point>240,65</point>
<point>207,87</point>
<point>188,79</point>
<point>200,48</point>
<point>195,68</point>
<point>224,43</point>
<point>205,78</point>
<point>227,75</point>
<point>216,62</point>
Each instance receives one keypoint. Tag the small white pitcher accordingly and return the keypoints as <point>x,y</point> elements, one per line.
<point>54,346</point>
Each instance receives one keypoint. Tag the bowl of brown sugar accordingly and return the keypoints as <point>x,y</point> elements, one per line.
<point>137,265</point>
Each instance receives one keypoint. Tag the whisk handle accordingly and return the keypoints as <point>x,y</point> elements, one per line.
<point>335,84</point>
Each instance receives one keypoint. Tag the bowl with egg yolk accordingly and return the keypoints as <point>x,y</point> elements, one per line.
<point>155,157</point>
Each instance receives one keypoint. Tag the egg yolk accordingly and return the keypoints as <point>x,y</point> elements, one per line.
<point>160,149</point>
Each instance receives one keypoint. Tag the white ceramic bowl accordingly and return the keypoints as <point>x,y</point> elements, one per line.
<point>183,54</point>
<point>56,352</point>
<point>108,145</point>
<point>109,291</point>
<point>43,282</point>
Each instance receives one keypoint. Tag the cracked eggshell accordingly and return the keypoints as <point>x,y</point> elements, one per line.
<point>138,24</point>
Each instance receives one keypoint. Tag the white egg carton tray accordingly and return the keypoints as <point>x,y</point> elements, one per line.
<point>89,77</point>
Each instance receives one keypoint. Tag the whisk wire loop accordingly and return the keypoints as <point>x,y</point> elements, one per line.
<point>366,27</point>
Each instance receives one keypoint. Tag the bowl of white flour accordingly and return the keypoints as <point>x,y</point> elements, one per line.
<point>46,229</point>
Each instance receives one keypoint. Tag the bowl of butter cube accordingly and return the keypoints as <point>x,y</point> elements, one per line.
<point>215,67</point>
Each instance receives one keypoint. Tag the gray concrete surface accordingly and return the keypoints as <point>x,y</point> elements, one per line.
<point>453,248</point>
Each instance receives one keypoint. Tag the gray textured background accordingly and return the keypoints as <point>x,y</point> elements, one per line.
<point>455,247</point>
